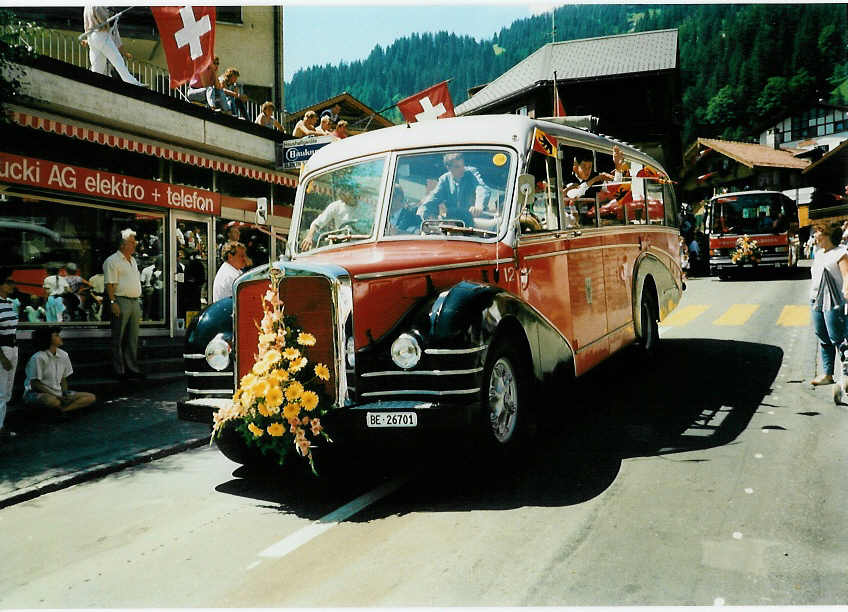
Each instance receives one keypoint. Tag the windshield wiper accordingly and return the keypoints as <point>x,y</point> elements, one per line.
<point>450,227</point>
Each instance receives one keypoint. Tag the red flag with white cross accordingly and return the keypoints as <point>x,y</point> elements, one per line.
<point>432,103</point>
<point>188,38</point>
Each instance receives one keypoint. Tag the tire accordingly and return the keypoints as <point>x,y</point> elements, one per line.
<point>505,392</point>
<point>649,313</point>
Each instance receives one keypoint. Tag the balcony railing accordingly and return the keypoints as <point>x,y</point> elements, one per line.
<point>67,48</point>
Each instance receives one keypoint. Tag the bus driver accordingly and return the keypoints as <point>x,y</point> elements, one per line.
<point>461,189</point>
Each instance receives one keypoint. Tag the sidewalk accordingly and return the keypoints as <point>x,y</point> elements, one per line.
<point>130,428</point>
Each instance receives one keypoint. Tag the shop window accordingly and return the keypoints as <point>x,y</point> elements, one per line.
<point>228,14</point>
<point>240,187</point>
<point>193,176</point>
<point>255,238</point>
<point>57,251</point>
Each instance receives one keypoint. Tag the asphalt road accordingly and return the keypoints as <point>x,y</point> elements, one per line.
<point>711,475</point>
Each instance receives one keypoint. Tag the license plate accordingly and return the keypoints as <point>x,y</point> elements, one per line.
<point>391,419</point>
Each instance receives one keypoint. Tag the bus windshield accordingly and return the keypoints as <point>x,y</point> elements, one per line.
<point>756,213</point>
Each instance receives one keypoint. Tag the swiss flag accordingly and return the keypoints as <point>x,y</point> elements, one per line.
<point>432,103</point>
<point>188,38</point>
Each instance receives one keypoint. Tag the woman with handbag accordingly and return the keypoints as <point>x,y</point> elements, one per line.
<point>828,295</point>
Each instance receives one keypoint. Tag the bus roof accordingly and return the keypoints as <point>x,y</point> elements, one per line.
<point>736,194</point>
<point>500,130</point>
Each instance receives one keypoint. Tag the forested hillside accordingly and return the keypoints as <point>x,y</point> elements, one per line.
<point>739,63</point>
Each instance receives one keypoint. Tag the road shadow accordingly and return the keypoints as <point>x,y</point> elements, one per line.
<point>695,394</point>
<point>766,274</point>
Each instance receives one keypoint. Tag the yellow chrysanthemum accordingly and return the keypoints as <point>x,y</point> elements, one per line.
<point>256,431</point>
<point>298,364</point>
<point>246,399</point>
<point>294,391</point>
<point>305,339</point>
<point>260,388</point>
<point>247,380</point>
<point>278,376</point>
<point>260,368</point>
<point>276,430</point>
<point>272,356</point>
<point>309,399</point>
<point>322,372</point>
<point>274,397</point>
<point>291,353</point>
<point>291,411</point>
<point>272,410</point>
<point>263,410</point>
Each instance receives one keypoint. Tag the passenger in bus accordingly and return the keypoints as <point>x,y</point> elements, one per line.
<point>404,218</point>
<point>346,211</point>
<point>584,177</point>
<point>461,189</point>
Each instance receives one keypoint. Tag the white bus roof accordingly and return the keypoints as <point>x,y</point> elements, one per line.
<point>499,130</point>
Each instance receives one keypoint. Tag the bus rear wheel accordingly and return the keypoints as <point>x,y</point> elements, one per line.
<point>649,312</point>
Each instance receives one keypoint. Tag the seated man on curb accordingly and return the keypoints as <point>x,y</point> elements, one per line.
<point>47,372</point>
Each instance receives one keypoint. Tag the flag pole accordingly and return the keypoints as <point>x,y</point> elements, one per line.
<point>100,25</point>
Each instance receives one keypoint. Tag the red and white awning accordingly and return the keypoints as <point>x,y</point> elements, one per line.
<point>137,146</point>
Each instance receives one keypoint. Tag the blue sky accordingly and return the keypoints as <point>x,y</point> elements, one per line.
<point>328,33</point>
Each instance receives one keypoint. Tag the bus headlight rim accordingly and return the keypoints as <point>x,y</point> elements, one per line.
<point>218,353</point>
<point>406,352</point>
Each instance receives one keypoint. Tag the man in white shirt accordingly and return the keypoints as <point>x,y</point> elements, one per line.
<point>236,259</point>
<point>123,287</point>
<point>346,211</point>
<point>104,43</point>
<point>46,385</point>
<point>8,345</point>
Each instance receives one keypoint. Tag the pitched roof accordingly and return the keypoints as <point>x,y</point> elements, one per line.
<point>752,155</point>
<point>588,58</point>
<point>352,110</point>
<point>833,153</point>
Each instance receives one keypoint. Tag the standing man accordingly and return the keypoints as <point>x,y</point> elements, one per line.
<point>235,255</point>
<point>8,345</point>
<point>104,43</point>
<point>123,287</point>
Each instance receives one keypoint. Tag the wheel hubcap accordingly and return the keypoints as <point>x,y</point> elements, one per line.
<point>503,400</point>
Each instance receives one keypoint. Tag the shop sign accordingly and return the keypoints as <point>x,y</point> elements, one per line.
<point>295,152</point>
<point>62,177</point>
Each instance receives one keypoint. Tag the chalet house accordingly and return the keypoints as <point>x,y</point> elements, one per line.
<point>360,118</point>
<point>630,82</point>
<point>821,127</point>
<point>713,165</point>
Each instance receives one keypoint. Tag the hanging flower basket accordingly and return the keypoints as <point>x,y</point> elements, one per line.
<point>278,405</point>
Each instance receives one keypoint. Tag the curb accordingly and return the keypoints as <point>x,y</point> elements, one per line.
<point>66,480</point>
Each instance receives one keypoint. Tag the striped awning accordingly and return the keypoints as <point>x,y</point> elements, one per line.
<point>147,148</point>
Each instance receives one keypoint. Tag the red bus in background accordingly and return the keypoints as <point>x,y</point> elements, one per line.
<point>768,218</point>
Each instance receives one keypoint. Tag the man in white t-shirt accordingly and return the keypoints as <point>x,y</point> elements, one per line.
<point>122,281</point>
<point>47,372</point>
<point>235,255</point>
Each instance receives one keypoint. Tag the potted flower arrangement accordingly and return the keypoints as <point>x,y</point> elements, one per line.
<point>278,405</point>
<point>747,252</point>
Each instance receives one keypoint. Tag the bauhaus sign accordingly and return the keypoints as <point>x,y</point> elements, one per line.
<point>62,177</point>
<point>295,152</point>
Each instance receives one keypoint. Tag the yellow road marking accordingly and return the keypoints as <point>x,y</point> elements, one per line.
<point>685,315</point>
<point>737,314</point>
<point>794,316</point>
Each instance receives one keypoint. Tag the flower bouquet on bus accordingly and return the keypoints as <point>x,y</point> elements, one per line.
<point>747,252</point>
<point>278,405</point>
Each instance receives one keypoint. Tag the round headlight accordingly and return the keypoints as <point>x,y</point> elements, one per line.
<point>405,352</point>
<point>218,353</point>
<point>349,353</point>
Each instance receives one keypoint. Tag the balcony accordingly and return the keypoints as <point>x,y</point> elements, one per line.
<point>57,79</point>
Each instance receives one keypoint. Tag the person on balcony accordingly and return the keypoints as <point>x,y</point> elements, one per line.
<point>204,83</point>
<point>266,117</point>
<point>341,130</point>
<point>104,43</point>
<point>306,126</point>
<point>230,94</point>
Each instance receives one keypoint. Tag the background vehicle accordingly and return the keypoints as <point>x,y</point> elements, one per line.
<point>768,217</point>
<point>448,324</point>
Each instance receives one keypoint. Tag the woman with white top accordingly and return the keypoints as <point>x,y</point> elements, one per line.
<point>828,294</point>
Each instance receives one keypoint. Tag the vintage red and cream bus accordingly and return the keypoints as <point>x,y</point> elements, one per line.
<point>453,270</point>
<point>768,218</point>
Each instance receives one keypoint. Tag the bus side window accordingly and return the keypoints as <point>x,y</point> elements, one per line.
<point>611,195</point>
<point>577,195</point>
<point>654,200</point>
<point>672,217</point>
